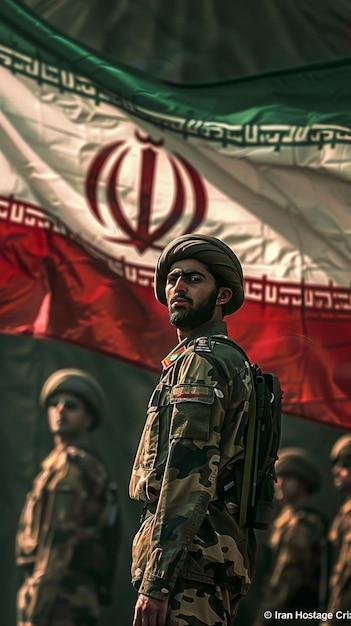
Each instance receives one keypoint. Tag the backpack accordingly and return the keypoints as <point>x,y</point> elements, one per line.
<point>253,477</point>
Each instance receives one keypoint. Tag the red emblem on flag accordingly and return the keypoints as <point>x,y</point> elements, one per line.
<point>105,174</point>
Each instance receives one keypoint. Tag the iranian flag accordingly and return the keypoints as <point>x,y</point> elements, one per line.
<point>101,167</point>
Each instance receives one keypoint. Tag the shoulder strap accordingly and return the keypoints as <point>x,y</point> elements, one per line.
<point>250,441</point>
<point>248,465</point>
<point>92,468</point>
<point>230,342</point>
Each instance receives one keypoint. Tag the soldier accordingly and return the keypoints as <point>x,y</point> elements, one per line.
<point>59,541</point>
<point>296,543</point>
<point>340,533</point>
<point>192,562</point>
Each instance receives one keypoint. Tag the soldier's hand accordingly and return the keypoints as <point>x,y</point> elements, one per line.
<point>150,612</point>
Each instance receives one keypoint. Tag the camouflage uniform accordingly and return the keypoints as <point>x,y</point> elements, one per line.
<point>190,540</point>
<point>58,545</point>
<point>295,546</point>
<point>340,581</point>
<point>340,539</point>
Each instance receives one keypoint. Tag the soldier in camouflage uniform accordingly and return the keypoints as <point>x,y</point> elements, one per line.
<point>340,532</point>
<point>192,562</point>
<point>296,543</point>
<point>58,543</point>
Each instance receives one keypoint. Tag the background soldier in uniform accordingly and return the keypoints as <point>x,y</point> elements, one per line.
<point>191,560</point>
<point>296,542</point>
<point>59,540</point>
<point>340,532</point>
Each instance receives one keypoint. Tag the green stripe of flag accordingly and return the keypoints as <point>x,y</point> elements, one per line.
<point>288,109</point>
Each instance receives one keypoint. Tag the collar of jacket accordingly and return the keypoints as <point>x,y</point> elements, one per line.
<point>59,453</point>
<point>205,330</point>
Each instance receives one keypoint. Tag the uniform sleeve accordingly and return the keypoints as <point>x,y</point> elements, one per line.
<point>61,530</point>
<point>340,581</point>
<point>190,476</point>
<point>295,562</point>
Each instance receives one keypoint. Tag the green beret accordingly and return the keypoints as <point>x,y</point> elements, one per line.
<point>298,462</point>
<point>79,383</point>
<point>212,252</point>
<point>341,448</point>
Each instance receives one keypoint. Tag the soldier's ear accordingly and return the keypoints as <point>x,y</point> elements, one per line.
<point>224,295</point>
<point>89,421</point>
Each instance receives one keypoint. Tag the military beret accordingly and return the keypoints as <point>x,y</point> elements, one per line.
<point>212,252</point>
<point>81,384</point>
<point>299,463</point>
<point>341,448</point>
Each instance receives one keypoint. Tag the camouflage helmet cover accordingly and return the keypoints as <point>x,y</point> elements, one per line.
<point>212,252</point>
<point>341,448</point>
<point>79,383</point>
<point>299,463</point>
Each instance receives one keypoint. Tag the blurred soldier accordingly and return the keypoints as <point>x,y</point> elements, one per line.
<point>191,560</point>
<point>340,532</point>
<point>296,543</point>
<point>60,540</point>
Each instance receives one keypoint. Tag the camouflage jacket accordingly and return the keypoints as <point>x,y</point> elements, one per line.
<point>63,510</point>
<point>195,424</point>
<point>295,546</point>
<point>340,580</point>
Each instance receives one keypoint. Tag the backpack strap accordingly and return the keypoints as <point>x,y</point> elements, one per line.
<point>246,487</point>
<point>230,342</point>
<point>250,458</point>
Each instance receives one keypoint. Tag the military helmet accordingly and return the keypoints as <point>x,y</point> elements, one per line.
<point>341,448</point>
<point>220,260</point>
<point>299,463</point>
<point>79,383</point>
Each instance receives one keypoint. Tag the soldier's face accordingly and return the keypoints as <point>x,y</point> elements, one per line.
<point>341,472</point>
<point>67,415</point>
<point>192,294</point>
<point>288,488</point>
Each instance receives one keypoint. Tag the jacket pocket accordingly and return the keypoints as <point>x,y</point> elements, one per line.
<point>141,548</point>
<point>151,436</point>
<point>192,411</point>
<point>150,439</point>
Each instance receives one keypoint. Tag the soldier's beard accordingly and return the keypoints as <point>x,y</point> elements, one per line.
<point>192,317</point>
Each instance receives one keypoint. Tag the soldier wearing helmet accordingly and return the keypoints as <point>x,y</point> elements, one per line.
<point>59,545</point>
<point>340,532</point>
<point>191,559</point>
<point>296,543</point>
